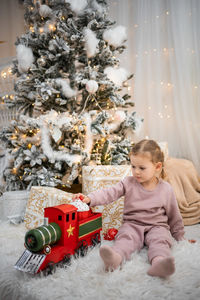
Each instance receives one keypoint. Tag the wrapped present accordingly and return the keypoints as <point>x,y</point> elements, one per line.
<point>98,177</point>
<point>39,198</point>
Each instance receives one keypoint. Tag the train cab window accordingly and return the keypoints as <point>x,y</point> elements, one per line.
<point>73,216</point>
<point>67,218</point>
<point>59,218</point>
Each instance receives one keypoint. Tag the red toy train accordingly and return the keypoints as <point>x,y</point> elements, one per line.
<point>66,232</point>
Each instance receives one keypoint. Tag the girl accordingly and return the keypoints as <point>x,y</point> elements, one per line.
<point>151,216</point>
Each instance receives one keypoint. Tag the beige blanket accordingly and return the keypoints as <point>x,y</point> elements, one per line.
<point>183,177</point>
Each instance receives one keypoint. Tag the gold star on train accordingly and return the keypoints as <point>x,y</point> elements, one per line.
<point>70,230</point>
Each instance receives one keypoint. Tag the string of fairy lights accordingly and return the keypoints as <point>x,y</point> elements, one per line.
<point>7,76</point>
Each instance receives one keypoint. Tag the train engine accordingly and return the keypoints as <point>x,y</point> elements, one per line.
<point>66,232</point>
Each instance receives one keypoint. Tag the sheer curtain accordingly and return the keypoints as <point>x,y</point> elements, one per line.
<point>11,26</point>
<point>163,52</point>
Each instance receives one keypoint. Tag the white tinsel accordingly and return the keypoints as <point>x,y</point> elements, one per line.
<point>88,134</point>
<point>53,156</point>
<point>91,86</point>
<point>115,36</point>
<point>91,42</point>
<point>25,58</point>
<point>77,5</point>
<point>45,10</point>
<point>118,76</point>
<point>66,89</point>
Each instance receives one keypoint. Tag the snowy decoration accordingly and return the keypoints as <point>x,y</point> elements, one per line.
<point>115,36</point>
<point>45,10</point>
<point>53,156</point>
<point>56,134</point>
<point>91,86</point>
<point>66,89</point>
<point>120,116</point>
<point>117,119</point>
<point>25,58</point>
<point>138,123</point>
<point>80,205</point>
<point>91,42</point>
<point>88,134</point>
<point>34,156</point>
<point>96,6</point>
<point>77,5</point>
<point>118,76</point>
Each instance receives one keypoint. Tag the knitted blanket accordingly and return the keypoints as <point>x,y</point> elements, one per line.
<point>183,177</point>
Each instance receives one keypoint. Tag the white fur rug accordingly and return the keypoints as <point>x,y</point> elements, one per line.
<point>86,279</point>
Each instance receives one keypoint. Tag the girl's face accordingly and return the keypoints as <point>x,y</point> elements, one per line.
<point>143,169</point>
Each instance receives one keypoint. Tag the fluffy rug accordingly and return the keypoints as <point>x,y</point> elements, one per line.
<point>85,277</point>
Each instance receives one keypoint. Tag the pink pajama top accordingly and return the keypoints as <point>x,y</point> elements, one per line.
<point>144,207</point>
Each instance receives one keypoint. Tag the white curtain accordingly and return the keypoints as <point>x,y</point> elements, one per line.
<point>11,25</point>
<point>163,52</point>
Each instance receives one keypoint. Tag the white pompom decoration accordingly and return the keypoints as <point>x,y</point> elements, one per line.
<point>25,58</point>
<point>66,89</point>
<point>77,5</point>
<point>120,116</point>
<point>91,86</point>
<point>44,11</point>
<point>115,36</point>
<point>118,76</point>
<point>91,42</point>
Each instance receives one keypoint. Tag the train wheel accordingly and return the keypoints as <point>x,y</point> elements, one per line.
<point>96,239</point>
<point>50,269</point>
<point>67,259</point>
<point>82,249</point>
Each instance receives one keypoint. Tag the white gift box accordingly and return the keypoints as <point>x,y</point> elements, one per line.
<point>14,205</point>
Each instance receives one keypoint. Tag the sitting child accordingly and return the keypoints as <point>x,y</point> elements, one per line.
<point>151,215</point>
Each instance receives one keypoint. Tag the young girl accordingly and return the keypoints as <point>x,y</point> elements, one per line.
<point>151,216</point>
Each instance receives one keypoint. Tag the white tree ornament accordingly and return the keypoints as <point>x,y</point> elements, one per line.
<point>91,86</point>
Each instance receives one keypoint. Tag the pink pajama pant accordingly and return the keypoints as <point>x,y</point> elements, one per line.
<point>132,237</point>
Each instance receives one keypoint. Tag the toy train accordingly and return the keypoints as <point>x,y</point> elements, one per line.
<point>66,232</point>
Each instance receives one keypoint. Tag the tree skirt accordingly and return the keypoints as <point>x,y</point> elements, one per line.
<point>85,278</point>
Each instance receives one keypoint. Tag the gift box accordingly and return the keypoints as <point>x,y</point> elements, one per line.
<point>39,198</point>
<point>13,205</point>
<point>98,177</point>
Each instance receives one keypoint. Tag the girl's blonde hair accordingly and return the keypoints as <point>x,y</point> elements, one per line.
<point>151,147</point>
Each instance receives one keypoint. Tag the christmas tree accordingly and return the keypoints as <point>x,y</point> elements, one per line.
<point>69,90</point>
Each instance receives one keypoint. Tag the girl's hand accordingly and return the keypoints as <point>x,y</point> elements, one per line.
<point>81,197</point>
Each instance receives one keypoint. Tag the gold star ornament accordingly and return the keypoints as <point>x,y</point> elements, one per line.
<point>70,230</point>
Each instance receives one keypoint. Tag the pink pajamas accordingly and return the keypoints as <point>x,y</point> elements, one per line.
<point>150,218</point>
<point>132,237</point>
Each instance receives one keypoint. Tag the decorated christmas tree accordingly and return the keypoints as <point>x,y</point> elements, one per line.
<point>70,92</point>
